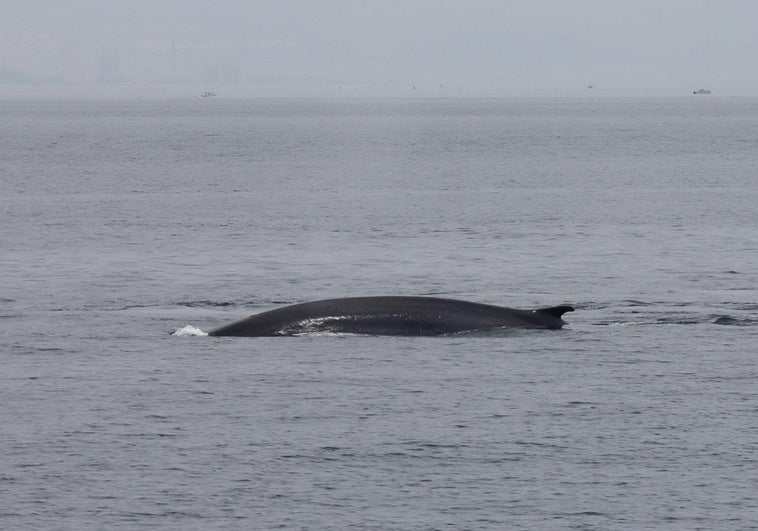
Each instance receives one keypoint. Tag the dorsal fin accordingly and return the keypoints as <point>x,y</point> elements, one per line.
<point>556,311</point>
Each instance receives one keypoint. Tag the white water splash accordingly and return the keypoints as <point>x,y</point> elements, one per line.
<point>189,331</point>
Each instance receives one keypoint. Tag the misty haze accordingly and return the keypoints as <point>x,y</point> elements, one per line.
<point>443,48</point>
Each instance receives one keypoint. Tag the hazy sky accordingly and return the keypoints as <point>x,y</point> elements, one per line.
<point>541,47</point>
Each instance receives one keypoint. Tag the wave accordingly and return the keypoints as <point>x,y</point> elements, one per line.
<point>729,320</point>
<point>679,319</point>
<point>205,304</point>
<point>250,303</point>
<point>636,312</point>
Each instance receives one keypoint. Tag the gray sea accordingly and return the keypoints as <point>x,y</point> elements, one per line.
<point>123,221</point>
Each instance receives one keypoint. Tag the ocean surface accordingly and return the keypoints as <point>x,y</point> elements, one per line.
<point>123,221</point>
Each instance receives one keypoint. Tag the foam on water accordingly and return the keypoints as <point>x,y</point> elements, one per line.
<point>189,331</point>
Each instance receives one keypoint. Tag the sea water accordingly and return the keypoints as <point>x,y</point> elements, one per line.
<point>124,221</point>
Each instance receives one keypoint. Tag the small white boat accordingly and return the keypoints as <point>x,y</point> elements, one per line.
<point>701,91</point>
<point>207,94</point>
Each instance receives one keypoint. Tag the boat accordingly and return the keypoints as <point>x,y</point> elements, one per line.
<point>701,91</point>
<point>207,94</point>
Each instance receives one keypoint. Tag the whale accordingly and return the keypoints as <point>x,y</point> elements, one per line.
<point>390,316</point>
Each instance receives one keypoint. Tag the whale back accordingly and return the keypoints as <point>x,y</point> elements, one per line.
<point>393,315</point>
